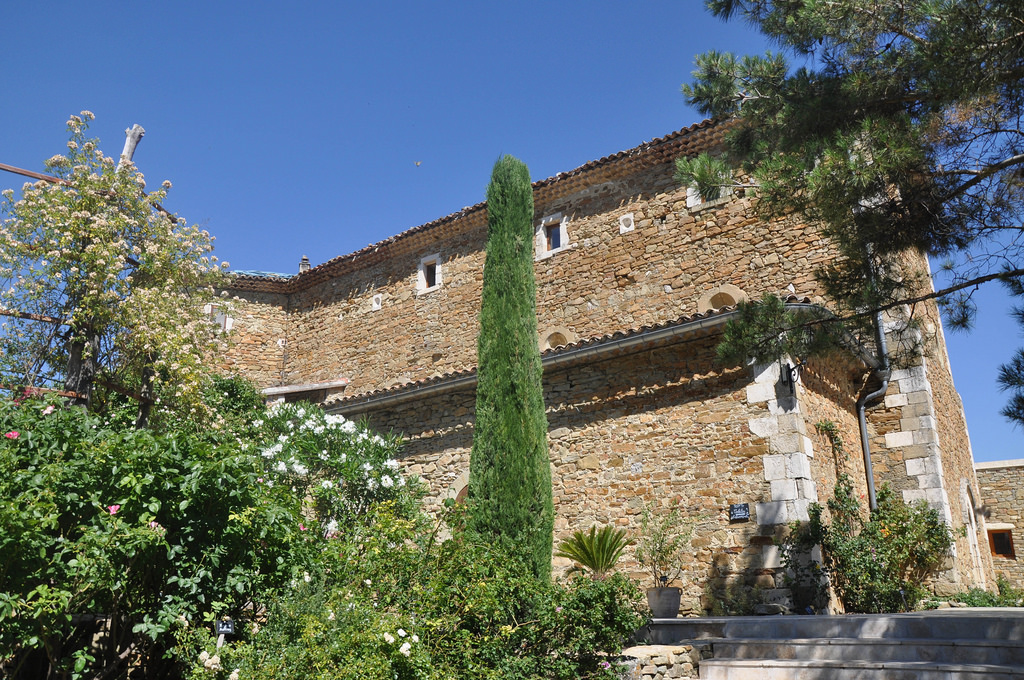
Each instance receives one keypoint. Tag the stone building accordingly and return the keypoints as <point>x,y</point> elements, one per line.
<point>636,277</point>
<point>1002,491</point>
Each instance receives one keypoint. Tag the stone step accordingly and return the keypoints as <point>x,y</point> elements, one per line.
<point>954,624</point>
<point>988,652</point>
<point>762,669</point>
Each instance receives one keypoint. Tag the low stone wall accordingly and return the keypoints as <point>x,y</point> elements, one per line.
<point>660,662</point>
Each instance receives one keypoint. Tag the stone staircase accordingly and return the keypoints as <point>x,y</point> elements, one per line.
<point>951,644</point>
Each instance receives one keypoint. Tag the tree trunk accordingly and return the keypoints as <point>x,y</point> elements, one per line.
<point>85,349</point>
<point>146,393</point>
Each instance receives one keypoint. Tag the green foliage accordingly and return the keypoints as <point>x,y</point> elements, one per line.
<point>766,330</point>
<point>125,281</point>
<point>835,440</point>
<point>596,551</point>
<point>662,544</point>
<point>732,599</point>
<point>898,127</point>
<point>147,532</point>
<point>1005,596</point>
<point>1011,379</point>
<point>709,174</point>
<point>877,565</point>
<point>298,525</point>
<point>510,474</point>
<point>391,602</point>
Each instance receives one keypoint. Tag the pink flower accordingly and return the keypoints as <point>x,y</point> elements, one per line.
<point>112,509</point>
<point>302,527</point>
<point>48,410</point>
<point>12,435</point>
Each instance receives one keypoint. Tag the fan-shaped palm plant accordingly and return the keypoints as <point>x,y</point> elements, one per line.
<point>596,551</point>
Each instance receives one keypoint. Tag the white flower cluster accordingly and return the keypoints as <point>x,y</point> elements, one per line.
<point>210,663</point>
<point>406,648</point>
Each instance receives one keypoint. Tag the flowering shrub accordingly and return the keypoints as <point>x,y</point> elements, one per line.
<point>298,525</point>
<point>344,468</point>
<point>143,535</point>
<point>127,281</point>
<point>875,565</point>
<point>393,602</point>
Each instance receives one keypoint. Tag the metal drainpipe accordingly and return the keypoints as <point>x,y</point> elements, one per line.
<point>882,373</point>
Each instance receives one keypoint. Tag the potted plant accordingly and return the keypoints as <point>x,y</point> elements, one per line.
<point>659,551</point>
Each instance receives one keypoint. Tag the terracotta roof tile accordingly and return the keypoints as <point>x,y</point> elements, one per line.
<point>596,341</point>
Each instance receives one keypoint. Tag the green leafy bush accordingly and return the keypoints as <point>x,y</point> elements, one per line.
<point>391,603</point>
<point>1005,596</point>
<point>662,544</point>
<point>874,565</point>
<point>298,525</point>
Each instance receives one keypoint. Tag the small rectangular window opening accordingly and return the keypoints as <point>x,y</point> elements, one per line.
<point>553,236</point>
<point>1001,542</point>
<point>430,274</point>
<point>219,316</point>
<point>429,277</point>
<point>550,236</point>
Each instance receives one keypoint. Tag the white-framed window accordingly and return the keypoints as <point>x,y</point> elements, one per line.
<point>376,302</point>
<point>694,200</point>
<point>429,275</point>
<point>626,223</point>
<point>551,235</point>
<point>218,315</point>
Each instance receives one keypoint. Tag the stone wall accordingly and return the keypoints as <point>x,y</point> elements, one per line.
<point>920,444</point>
<point>1002,492</point>
<point>259,341</point>
<point>662,662</point>
<point>957,475</point>
<point>830,397</point>
<point>371,324</point>
<point>667,426</point>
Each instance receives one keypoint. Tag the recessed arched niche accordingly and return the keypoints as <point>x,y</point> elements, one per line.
<point>550,338</point>
<point>726,295</point>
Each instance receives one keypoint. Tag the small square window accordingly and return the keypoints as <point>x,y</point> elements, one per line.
<point>626,223</point>
<point>1001,543</point>
<point>429,276</point>
<point>552,235</point>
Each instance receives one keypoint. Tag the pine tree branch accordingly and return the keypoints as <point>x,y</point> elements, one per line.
<point>1012,273</point>
<point>891,28</point>
<point>979,175</point>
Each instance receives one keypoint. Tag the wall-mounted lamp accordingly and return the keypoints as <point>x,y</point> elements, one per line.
<point>789,374</point>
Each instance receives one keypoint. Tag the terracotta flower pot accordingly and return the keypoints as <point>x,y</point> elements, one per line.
<point>664,602</point>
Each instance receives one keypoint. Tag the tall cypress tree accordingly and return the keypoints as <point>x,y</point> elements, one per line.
<point>509,472</point>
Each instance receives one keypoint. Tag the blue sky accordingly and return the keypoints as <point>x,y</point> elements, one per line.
<point>296,129</point>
